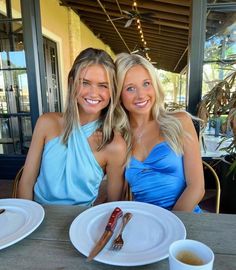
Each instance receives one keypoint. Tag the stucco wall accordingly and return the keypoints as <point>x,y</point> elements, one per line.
<point>63,25</point>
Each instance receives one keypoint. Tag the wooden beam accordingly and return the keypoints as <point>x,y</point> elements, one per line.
<point>185,3</point>
<point>165,7</point>
<point>113,11</point>
<point>157,22</point>
<point>147,34</point>
<point>149,39</point>
<point>162,19</point>
<point>161,29</point>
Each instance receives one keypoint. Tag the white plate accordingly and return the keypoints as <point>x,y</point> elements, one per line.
<point>147,236</point>
<point>21,218</point>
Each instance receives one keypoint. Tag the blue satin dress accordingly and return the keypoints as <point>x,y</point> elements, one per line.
<point>69,174</point>
<point>159,179</point>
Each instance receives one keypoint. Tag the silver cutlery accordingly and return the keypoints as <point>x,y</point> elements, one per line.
<point>119,242</point>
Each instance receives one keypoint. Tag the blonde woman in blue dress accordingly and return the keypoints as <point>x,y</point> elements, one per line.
<point>165,166</point>
<point>71,152</point>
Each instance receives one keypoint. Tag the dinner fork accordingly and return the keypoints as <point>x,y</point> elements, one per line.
<point>119,242</point>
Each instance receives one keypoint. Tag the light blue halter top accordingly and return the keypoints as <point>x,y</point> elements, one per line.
<point>69,174</point>
<point>159,179</point>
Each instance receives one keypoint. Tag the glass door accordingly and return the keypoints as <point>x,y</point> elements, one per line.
<point>52,80</point>
<point>15,122</point>
<point>22,80</point>
<point>15,111</point>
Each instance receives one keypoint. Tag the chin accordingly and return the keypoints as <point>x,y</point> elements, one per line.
<point>96,111</point>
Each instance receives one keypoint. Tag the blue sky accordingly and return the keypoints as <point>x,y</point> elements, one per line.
<point>17,58</point>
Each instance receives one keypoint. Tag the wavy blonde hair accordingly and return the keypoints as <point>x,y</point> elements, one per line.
<point>170,126</point>
<point>86,58</point>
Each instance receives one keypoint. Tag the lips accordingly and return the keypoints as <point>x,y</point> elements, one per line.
<point>142,104</point>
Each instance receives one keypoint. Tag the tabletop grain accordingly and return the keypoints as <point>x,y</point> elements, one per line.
<point>49,246</point>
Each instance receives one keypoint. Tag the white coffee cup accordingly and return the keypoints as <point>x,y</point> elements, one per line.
<point>190,255</point>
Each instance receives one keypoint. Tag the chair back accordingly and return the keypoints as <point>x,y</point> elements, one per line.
<point>208,167</point>
<point>127,193</point>
<point>16,182</point>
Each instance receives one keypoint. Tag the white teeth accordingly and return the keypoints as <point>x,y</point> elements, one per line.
<point>91,101</point>
<point>141,104</point>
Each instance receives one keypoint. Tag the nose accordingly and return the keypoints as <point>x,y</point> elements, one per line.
<point>140,93</point>
<point>93,90</point>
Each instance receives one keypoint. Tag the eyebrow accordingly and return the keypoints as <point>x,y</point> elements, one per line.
<point>104,83</point>
<point>129,84</point>
<point>99,83</point>
<point>86,80</point>
<point>82,79</point>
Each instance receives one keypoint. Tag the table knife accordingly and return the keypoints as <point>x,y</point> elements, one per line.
<point>117,213</point>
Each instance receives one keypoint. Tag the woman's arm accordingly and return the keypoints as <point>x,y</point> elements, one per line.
<point>193,169</point>
<point>115,167</point>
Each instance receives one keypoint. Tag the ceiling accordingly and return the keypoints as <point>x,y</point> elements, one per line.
<point>164,25</point>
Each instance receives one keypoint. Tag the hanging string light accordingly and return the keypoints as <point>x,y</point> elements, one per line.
<point>139,28</point>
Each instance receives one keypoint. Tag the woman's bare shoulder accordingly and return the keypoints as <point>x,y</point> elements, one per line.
<point>185,119</point>
<point>51,118</point>
<point>182,115</point>
<point>187,122</point>
<point>118,144</point>
<point>116,151</point>
<point>51,123</point>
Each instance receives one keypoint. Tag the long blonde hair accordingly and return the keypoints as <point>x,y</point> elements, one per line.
<point>86,58</point>
<point>170,126</point>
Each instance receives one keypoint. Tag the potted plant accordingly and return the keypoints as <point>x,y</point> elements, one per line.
<point>221,100</point>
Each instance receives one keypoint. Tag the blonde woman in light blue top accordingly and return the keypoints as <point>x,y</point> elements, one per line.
<point>71,152</point>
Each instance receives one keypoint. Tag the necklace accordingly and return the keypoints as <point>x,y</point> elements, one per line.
<point>139,147</point>
<point>138,136</point>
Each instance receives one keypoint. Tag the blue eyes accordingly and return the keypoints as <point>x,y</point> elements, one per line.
<point>103,86</point>
<point>146,84</point>
<point>130,89</point>
<point>87,84</point>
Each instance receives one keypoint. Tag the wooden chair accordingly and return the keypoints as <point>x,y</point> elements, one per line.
<point>127,193</point>
<point>206,201</point>
<point>16,182</point>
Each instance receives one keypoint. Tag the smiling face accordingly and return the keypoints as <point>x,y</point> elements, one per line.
<point>93,92</point>
<point>138,94</point>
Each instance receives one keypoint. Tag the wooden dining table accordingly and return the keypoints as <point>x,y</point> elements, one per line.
<point>49,246</point>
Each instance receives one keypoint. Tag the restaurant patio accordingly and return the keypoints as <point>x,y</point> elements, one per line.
<point>192,45</point>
